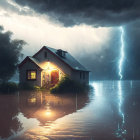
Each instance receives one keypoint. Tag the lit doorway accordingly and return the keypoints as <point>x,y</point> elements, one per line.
<point>54,77</point>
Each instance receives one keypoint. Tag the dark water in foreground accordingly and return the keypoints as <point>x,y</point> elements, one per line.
<point>110,112</point>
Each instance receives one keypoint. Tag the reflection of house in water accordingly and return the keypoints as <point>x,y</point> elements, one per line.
<point>44,107</point>
<point>48,107</point>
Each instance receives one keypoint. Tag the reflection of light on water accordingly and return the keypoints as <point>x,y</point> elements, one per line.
<point>121,130</point>
<point>120,100</point>
<point>131,84</point>
<point>48,110</point>
<point>32,100</point>
<point>48,113</point>
<point>97,88</point>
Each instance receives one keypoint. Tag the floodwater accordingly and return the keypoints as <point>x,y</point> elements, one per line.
<point>110,112</point>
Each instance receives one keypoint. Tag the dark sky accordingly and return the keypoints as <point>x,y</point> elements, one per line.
<point>97,13</point>
<point>93,12</point>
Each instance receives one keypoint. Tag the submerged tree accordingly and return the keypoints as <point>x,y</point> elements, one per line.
<point>10,52</point>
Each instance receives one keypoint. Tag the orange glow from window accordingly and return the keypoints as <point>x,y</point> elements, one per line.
<point>32,100</point>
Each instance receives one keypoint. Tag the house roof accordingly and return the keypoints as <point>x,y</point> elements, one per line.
<point>35,61</point>
<point>68,59</point>
<point>31,59</point>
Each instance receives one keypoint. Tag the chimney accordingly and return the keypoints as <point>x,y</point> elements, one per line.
<point>61,53</point>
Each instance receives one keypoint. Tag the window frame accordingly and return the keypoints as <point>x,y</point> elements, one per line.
<point>29,70</point>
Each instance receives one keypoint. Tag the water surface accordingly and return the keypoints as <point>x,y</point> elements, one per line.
<point>110,112</point>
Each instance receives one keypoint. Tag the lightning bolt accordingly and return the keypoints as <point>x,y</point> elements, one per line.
<point>122,54</point>
<point>121,131</point>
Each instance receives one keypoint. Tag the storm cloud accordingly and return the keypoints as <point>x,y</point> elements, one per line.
<point>12,7</point>
<point>91,12</point>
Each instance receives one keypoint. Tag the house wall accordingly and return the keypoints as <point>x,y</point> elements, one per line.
<point>80,76</point>
<point>73,74</point>
<point>23,75</point>
<point>53,59</point>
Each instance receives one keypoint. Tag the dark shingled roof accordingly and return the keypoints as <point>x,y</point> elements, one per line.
<point>69,59</point>
<point>32,60</point>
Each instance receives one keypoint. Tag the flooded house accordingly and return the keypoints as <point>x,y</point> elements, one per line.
<point>48,66</point>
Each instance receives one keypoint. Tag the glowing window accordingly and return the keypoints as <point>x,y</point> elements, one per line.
<point>31,75</point>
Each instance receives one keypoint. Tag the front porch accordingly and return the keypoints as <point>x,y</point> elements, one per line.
<point>50,75</point>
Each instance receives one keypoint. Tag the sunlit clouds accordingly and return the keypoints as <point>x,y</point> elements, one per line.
<point>38,31</point>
